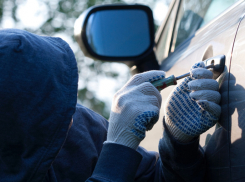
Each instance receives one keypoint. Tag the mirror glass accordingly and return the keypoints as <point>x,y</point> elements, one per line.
<point>118,33</point>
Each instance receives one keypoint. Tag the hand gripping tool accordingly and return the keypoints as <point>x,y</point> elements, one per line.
<point>215,64</point>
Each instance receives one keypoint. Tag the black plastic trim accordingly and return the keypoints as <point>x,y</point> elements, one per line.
<point>119,7</point>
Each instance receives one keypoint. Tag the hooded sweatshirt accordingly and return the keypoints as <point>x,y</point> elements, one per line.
<point>38,95</point>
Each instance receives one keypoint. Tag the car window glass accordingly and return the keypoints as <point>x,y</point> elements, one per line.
<point>164,41</point>
<point>216,7</point>
<point>194,14</point>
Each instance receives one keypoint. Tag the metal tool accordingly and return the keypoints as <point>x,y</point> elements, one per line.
<point>216,64</point>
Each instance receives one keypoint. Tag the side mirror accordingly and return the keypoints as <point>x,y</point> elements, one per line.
<point>116,32</point>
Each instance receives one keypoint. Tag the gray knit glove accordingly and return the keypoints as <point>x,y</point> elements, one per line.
<point>135,109</point>
<point>192,108</point>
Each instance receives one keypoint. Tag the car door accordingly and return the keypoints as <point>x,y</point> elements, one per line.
<point>193,31</point>
<point>236,107</point>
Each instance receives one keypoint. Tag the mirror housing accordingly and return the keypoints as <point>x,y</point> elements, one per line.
<point>116,32</point>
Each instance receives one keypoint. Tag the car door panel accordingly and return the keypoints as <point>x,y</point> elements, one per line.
<point>225,148</point>
<point>214,39</point>
<point>236,105</point>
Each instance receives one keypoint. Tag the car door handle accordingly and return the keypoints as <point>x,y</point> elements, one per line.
<point>215,64</point>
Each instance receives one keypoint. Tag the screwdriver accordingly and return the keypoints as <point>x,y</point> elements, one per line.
<point>172,80</point>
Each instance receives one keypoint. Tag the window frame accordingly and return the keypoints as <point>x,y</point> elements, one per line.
<point>219,16</point>
<point>161,29</point>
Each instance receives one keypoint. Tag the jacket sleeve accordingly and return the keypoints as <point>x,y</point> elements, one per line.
<point>181,161</point>
<point>116,163</point>
<point>123,164</point>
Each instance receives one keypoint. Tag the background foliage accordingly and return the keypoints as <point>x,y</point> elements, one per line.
<point>56,18</point>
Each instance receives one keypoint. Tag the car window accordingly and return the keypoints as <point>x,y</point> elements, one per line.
<point>164,41</point>
<point>194,14</point>
<point>215,8</point>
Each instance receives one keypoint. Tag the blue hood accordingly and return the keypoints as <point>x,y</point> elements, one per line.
<point>38,94</point>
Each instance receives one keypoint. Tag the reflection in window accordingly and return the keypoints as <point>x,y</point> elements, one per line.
<point>194,14</point>
<point>216,8</point>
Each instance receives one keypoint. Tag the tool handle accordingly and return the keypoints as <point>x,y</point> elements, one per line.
<point>163,83</point>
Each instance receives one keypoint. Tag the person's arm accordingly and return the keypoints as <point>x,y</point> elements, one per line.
<point>191,109</point>
<point>116,163</point>
<point>135,109</point>
<point>181,161</point>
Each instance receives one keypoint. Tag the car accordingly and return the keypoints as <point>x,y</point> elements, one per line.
<point>193,31</point>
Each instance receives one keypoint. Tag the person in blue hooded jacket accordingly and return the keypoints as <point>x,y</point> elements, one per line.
<point>38,94</point>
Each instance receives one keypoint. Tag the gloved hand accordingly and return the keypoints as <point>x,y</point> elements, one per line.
<point>192,108</point>
<point>135,109</point>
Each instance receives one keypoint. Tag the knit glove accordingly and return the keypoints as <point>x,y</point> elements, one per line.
<point>192,108</point>
<point>135,109</point>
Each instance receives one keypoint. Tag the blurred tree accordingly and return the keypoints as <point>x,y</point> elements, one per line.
<point>57,19</point>
<point>60,16</point>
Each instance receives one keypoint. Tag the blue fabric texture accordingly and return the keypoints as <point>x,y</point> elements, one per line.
<point>78,157</point>
<point>38,94</point>
<point>128,159</point>
<point>181,161</point>
<point>144,122</point>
